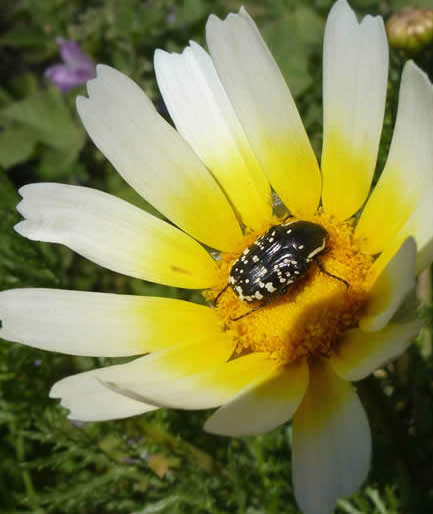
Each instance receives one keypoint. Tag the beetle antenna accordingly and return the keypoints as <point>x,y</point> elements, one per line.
<point>220,293</point>
<point>323,270</point>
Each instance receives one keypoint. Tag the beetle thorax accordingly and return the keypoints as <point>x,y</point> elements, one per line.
<point>310,314</point>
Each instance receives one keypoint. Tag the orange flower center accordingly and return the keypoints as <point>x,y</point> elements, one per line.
<point>308,319</point>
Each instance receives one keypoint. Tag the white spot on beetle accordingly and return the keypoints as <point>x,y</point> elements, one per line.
<point>288,223</point>
<point>270,287</point>
<point>255,258</point>
<point>318,249</point>
<point>258,295</point>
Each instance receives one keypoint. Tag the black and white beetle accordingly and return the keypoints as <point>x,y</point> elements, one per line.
<point>275,260</point>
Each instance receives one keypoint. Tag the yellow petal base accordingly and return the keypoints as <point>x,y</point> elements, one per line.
<point>309,318</point>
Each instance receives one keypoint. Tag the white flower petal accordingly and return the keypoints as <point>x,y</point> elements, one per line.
<point>395,280</point>
<point>360,353</point>
<point>262,406</point>
<point>114,234</point>
<point>355,70</point>
<point>204,116</point>
<point>160,371</point>
<point>420,227</point>
<point>99,324</point>
<point>408,172</point>
<point>89,400</point>
<point>155,160</point>
<point>265,109</point>
<point>195,376</point>
<point>331,443</point>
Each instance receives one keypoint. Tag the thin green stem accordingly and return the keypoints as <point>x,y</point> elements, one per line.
<point>378,403</point>
<point>424,293</point>
<point>25,474</point>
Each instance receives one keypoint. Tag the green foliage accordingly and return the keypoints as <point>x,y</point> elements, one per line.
<point>41,118</point>
<point>21,262</point>
<point>293,37</point>
<point>162,462</point>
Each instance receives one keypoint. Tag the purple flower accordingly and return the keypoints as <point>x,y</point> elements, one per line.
<point>76,68</point>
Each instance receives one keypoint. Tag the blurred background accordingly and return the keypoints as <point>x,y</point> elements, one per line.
<point>164,462</point>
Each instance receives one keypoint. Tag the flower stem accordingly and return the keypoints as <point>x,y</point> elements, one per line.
<point>424,294</point>
<point>383,414</point>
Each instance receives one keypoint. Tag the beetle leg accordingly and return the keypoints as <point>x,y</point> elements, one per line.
<point>220,293</point>
<point>256,308</point>
<point>323,270</point>
<point>263,304</point>
<point>325,251</point>
<point>286,217</point>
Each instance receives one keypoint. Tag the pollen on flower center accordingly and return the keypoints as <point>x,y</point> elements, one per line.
<point>308,319</point>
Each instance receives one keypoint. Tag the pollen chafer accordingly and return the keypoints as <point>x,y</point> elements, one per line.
<point>276,260</point>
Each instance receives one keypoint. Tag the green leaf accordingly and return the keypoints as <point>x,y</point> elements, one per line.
<point>192,11</point>
<point>292,40</point>
<point>5,97</point>
<point>47,113</point>
<point>374,496</point>
<point>400,4</point>
<point>17,144</point>
<point>8,196</point>
<point>309,26</point>
<point>347,507</point>
<point>60,163</point>
<point>23,36</point>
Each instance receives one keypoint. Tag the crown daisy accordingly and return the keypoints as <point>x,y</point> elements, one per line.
<point>294,315</point>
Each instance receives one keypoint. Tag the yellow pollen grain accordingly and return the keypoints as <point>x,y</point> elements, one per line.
<point>309,318</point>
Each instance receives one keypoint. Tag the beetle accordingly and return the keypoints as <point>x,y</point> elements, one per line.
<point>276,260</point>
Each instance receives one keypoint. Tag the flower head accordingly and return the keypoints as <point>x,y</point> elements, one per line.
<point>238,134</point>
<point>411,28</point>
<point>77,67</point>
